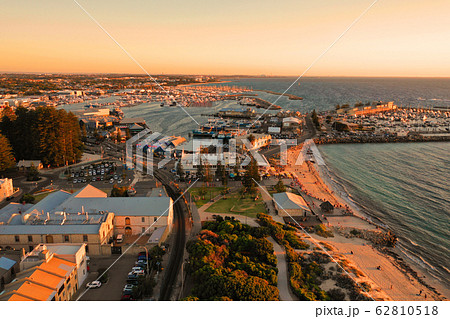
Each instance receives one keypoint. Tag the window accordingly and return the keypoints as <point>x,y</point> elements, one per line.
<point>30,238</point>
<point>143,219</point>
<point>66,238</point>
<point>87,248</point>
<point>85,237</point>
<point>143,229</point>
<point>17,238</point>
<point>127,221</point>
<point>30,248</point>
<point>155,219</point>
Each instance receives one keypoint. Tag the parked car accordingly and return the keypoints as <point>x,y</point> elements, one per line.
<point>134,269</point>
<point>119,238</point>
<point>126,297</point>
<point>128,287</point>
<point>94,284</point>
<point>139,272</point>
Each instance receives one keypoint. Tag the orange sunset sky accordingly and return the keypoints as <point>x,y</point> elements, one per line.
<point>394,38</point>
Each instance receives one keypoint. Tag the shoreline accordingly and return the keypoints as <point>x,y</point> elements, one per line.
<point>318,181</point>
<point>399,257</point>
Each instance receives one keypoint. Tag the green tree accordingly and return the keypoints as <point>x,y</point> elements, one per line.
<point>279,187</point>
<point>33,173</point>
<point>180,169</point>
<point>119,191</point>
<point>251,176</point>
<point>6,154</point>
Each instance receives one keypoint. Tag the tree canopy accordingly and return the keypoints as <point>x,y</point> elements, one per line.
<point>46,134</point>
<point>6,155</point>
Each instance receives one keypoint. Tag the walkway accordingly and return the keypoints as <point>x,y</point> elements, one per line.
<point>283,272</point>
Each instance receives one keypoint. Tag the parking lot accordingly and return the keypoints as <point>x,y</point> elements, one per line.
<point>100,172</point>
<point>117,278</point>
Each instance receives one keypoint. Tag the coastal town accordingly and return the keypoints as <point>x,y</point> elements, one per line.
<point>114,210</point>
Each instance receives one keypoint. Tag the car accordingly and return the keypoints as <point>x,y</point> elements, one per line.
<point>141,263</point>
<point>139,272</point>
<point>119,238</point>
<point>135,269</point>
<point>126,297</point>
<point>111,181</point>
<point>132,276</point>
<point>119,181</point>
<point>128,287</point>
<point>93,284</point>
<point>133,281</point>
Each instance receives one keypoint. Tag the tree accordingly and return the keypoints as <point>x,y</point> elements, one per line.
<point>33,174</point>
<point>45,133</point>
<point>279,187</point>
<point>180,169</point>
<point>315,118</point>
<point>221,173</point>
<point>200,167</point>
<point>252,139</point>
<point>6,155</point>
<point>119,191</point>
<point>251,176</point>
<point>27,198</point>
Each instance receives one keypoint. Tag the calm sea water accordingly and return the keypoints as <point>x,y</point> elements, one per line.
<point>406,187</point>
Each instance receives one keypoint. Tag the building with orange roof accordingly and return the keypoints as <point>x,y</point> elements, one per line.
<point>53,279</point>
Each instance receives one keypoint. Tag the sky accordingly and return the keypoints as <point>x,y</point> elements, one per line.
<point>394,38</point>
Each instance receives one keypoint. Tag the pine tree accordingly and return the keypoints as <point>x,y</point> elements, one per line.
<point>6,155</point>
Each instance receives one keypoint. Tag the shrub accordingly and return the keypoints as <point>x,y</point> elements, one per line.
<point>336,294</point>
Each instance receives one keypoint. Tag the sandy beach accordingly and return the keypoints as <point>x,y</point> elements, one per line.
<point>391,280</point>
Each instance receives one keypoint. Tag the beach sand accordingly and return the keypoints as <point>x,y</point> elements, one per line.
<point>392,280</point>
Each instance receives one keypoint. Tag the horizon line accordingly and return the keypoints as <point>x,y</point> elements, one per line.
<point>225,75</point>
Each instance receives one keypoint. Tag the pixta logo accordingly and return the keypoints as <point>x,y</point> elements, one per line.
<point>142,149</point>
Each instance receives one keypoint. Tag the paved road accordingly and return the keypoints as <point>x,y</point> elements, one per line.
<point>283,280</point>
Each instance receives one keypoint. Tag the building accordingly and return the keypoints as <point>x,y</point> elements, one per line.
<point>6,188</point>
<point>291,122</point>
<point>260,140</point>
<point>45,222</point>
<point>88,216</point>
<point>75,253</point>
<point>26,164</point>
<point>8,270</point>
<point>54,279</point>
<point>289,204</point>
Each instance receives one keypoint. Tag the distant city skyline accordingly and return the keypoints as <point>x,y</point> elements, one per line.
<point>394,39</point>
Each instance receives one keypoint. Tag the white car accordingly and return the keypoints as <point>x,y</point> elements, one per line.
<point>135,269</point>
<point>94,284</point>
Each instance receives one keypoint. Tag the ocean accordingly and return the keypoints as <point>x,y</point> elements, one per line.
<point>404,186</point>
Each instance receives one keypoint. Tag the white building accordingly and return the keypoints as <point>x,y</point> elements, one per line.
<point>6,188</point>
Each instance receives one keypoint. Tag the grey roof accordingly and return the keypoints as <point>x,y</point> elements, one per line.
<point>50,202</point>
<point>121,206</point>
<point>6,263</point>
<point>12,208</point>
<point>49,229</point>
<point>290,201</point>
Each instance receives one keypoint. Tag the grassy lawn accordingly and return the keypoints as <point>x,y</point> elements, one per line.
<point>234,204</point>
<point>202,200</point>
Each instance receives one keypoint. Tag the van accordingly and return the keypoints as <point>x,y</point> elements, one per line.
<point>119,238</point>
